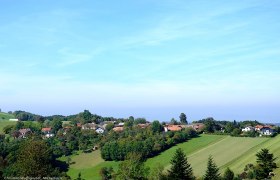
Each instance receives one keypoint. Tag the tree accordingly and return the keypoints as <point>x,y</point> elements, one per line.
<point>156,127</point>
<point>209,125</point>
<point>266,164</point>
<point>79,177</point>
<point>228,175</point>
<point>133,168</point>
<point>173,121</point>
<point>212,172</point>
<point>180,168</point>
<point>157,173</point>
<point>109,127</point>
<point>87,116</point>
<point>183,118</point>
<point>56,124</point>
<point>106,173</point>
<point>34,159</point>
<point>236,132</point>
<point>229,127</point>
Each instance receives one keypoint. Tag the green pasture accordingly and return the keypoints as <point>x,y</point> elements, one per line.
<point>89,164</point>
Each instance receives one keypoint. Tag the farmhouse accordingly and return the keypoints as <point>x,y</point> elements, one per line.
<point>24,132</point>
<point>195,126</point>
<point>118,129</point>
<point>87,126</point>
<point>267,131</point>
<point>143,125</point>
<point>173,128</point>
<point>47,132</point>
<point>258,127</point>
<point>248,128</point>
<point>99,130</point>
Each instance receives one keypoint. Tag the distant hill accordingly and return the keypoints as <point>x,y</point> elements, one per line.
<point>6,116</point>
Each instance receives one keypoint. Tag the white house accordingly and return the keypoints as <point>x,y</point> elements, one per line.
<point>87,126</point>
<point>248,128</point>
<point>99,130</point>
<point>267,131</point>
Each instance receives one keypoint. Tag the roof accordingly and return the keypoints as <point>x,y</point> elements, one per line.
<point>259,126</point>
<point>117,129</point>
<point>79,125</point>
<point>46,129</point>
<point>143,125</point>
<point>23,131</point>
<point>174,127</point>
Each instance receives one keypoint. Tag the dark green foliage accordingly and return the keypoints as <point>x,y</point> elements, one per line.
<point>79,177</point>
<point>33,158</point>
<point>56,124</point>
<point>228,175</point>
<point>116,145</point>
<point>139,120</point>
<point>133,168</point>
<point>173,121</point>
<point>109,127</point>
<point>106,173</point>
<point>212,172</point>
<point>266,164</point>
<point>236,132</point>
<point>157,173</point>
<point>156,127</point>
<point>180,168</point>
<point>183,118</point>
<point>229,127</point>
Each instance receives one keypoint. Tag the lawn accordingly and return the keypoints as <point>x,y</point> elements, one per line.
<point>4,123</point>
<point>224,153</point>
<point>189,147</point>
<point>6,116</point>
<point>233,152</point>
<point>89,164</point>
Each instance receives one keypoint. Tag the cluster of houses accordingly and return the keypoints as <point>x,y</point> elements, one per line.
<point>195,126</point>
<point>266,130</point>
<point>47,132</point>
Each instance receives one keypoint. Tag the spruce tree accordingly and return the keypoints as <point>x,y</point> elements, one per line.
<point>266,164</point>
<point>212,172</point>
<point>228,175</point>
<point>180,168</point>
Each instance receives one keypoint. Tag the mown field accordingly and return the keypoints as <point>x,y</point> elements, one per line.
<point>4,120</point>
<point>233,152</point>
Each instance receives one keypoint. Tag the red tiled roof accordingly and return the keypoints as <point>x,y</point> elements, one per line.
<point>46,129</point>
<point>174,128</point>
<point>118,129</point>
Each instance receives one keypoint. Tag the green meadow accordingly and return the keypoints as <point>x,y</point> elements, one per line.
<point>233,152</point>
<point>4,120</point>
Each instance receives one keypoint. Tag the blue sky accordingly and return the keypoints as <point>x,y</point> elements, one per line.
<point>152,59</point>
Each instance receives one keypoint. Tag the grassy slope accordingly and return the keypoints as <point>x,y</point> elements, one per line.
<point>90,164</point>
<point>5,116</point>
<point>223,152</point>
<point>4,120</point>
<point>188,147</point>
<point>227,151</point>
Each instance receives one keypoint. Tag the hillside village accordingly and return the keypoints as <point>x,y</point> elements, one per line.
<point>115,138</point>
<point>47,131</point>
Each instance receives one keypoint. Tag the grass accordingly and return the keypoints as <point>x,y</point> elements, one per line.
<point>5,116</point>
<point>189,147</point>
<point>90,164</point>
<point>5,123</point>
<point>224,152</point>
<point>232,152</point>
